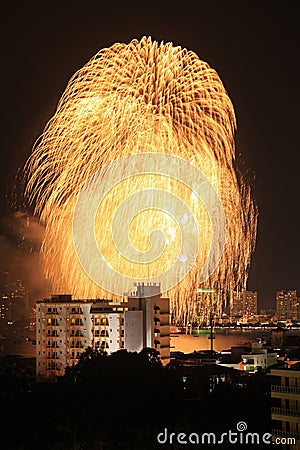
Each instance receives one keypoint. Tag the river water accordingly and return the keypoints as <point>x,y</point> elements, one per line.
<point>224,339</point>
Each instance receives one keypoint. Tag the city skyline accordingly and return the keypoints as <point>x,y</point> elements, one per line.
<point>245,53</point>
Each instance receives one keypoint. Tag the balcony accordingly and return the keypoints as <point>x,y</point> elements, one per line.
<point>165,346</point>
<point>76,311</point>
<point>76,345</point>
<point>54,333</point>
<point>287,415</point>
<point>100,322</point>
<point>55,367</point>
<point>52,323</point>
<point>54,345</point>
<point>76,323</point>
<point>286,434</point>
<point>286,389</point>
<point>104,333</point>
<point>78,333</point>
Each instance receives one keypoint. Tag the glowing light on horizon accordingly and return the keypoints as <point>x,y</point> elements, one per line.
<point>130,99</point>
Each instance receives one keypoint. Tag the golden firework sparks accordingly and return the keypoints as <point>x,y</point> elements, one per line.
<point>131,99</point>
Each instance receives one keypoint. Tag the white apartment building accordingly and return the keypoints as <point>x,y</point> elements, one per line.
<point>65,327</point>
<point>260,358</point>
<point>154,322</point>
<point>63,331</point>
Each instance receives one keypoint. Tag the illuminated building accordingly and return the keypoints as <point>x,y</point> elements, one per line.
<point>140,320</point>
<point>20,299</point>
<point>267,314</point>
<point>66,327</point>
<point>259,358</point>
<point>63,331</point>
<point>287,413</point>
<point>5,283</point>
<point>207,306</point>
<point>6,307</point>
<point>249,303</point>
<point>244,304</point>
<point>14,300</point>
<point>154,322</point>
<point>287,305</point>
<point>236,306</point>
<point>6,310</point>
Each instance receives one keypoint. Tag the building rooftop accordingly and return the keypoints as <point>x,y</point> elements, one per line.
<point>292,368</point>
<point>63,298</point>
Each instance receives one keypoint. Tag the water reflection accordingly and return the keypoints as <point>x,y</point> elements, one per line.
<point>223,339</point>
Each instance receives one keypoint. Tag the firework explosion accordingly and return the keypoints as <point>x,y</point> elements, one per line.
<point>132,99</point>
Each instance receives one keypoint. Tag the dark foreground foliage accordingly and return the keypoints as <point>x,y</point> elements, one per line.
<point>123,401</point>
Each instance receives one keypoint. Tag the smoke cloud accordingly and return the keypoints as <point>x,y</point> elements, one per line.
<point>20,239</point>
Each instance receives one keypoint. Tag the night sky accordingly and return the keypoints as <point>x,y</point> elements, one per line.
<point>254,46</point>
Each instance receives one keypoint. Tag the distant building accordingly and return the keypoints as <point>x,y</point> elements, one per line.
<point>6,307</point>
<point>66,327</point>
<point>251,358</point>
<point>236,306</point>
<point>208,304</point>
<point>297,309</point>
<point>6,310</point>
<point>14,300</point>
<point>278,338</point>
<point>267,314</point>
<point>287,305</point>
<point>20,299</point>
<point>5,284</point>
<point>286,414</point>
<point>244,304</point>
<point>249,299</point>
